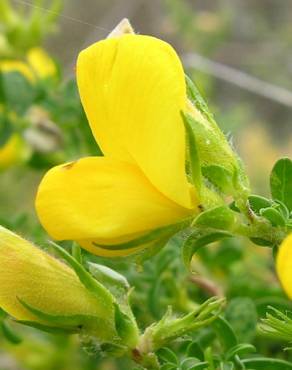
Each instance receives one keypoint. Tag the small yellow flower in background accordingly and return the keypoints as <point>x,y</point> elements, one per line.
<point>30,276</point>
<point>133,90</point>
<point>17,66</point>
<point>14,151</point>
<point>284,265</point>
<point>38,65</point>
<point>41,63</point>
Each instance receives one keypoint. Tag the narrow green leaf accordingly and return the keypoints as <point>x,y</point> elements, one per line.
<point>281,181</point>
<point>266,364</point>
<point>195,350</point>
<point>240,349</point>
<point>224,333</point>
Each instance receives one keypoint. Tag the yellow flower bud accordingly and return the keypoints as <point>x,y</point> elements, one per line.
<point>29,277</point>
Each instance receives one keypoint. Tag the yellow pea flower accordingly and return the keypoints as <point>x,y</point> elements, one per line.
<point>41,63</point>
<point>38,64</point>
<point>284,265</point>
<point>13,152</point>
<point>133,90</point>
<point>29,277</point>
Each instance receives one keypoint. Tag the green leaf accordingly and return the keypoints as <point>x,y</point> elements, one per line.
<point>195,350</point>
<point>166,355</point>
<point>280,206</point>
<point>281,182</point>
<point>220,177</point>
<point>240,349</point>
<point>225,333</point>
<point>193,154</point>
<point>199,239</point>
<point>262,242</point>
<point>16,91</point>
<point>241,313</point>
<point>200,366</point>
<point>221,217</point>
<point>273,216</point>
<point>266,364</point>
<point>6,129</point>
<point>257,202</point>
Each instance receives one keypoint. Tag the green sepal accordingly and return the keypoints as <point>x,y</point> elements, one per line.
<point>221,217</point>
<point>220,177</point>
<point>149,237</point>
<point>195,167</point>
<point>85,278</point>
<point>199,239</point>
<point>73,322</point>
<point>273,216</point>
<point>46,328</point>
<point>10,334</point>
<point>281,181</point>
<point>197,99</point>
<point>126,327</point>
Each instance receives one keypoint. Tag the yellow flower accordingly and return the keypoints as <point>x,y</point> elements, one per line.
<point>29,277</point>
<point>133,90</point>
<point>38,64</point>
<point>41,63</point>
<point>14,151</point>
<point>284,265</point>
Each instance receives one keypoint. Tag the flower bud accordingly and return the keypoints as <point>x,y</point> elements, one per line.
<point>39,290</point>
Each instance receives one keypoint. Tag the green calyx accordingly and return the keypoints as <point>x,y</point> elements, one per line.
<point>218,162</point>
